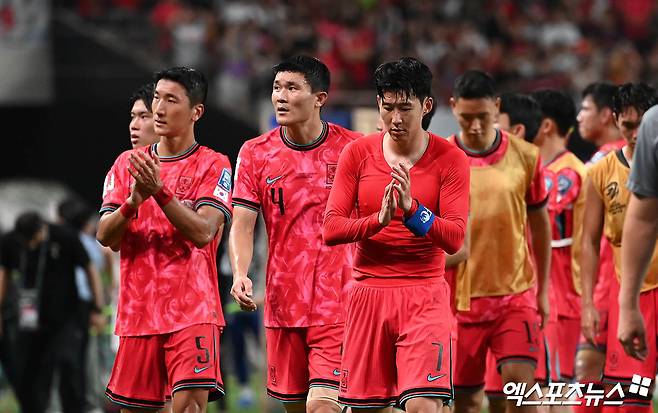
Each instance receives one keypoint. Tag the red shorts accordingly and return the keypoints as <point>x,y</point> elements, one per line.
<point>547,363</point>
<point>397,343</point>
<point>299,358</point>
<point>567,345</point>
<point>619,367</point>
<point>513,336</point>
<point>147,368</point>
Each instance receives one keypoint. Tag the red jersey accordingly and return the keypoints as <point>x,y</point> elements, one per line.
<point>439,181</point>
<point>167,283</point>
<point>565,176</point>
<point>306,281</point>
<point>506,180</point>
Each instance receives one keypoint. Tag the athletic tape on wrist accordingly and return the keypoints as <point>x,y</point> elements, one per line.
<point>163,196</point>
<point>420,222</point>
<point>127,210</point>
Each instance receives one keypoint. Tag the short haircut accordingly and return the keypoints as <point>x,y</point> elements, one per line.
<point>75,213</point>
<point>522,109</point>
<point>193,81</point>
<point>27,225</point>
<point>557,106</point>
<point>633,95</point>
<point>315,72</point>
<point>601,94</point>
<point>145,94</point>
<point>407,76</point>
<point>474,84</point>
<point>427,119</point>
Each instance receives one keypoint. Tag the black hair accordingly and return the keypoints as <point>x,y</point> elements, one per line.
<point>193,81</point>
<point>474,84</point>
<point>557,106</point>
<point>407,75</point>
<point>315,72</point>
<point>427,119</point>
<point>74,212</point>
<point>522,109</point>
<point>633,95</point>
<point>28,225</point>
<point>145,94</point>
<point>601,94</point>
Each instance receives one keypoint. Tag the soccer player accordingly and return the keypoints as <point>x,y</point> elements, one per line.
<point>141,117</point>
<point>402,196</point>
<point>498,290</point>
<point>639,237</point>
<point>596,123</point>
<point>286,174</point>
<point>164,207</point>
<point>520,115</point>
<point>606,202</point>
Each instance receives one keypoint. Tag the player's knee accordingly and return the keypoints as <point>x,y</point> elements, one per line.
<point>497,404</point>
<point>518,372</point>
<point>194,401</point>
<point>322,406</point>
<point>295,407</point>
<point>424,405</point>
<point>468,402</point>
<point>589,365</point>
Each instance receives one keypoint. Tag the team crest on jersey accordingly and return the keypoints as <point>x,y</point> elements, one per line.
<point>612,190</point>
<point>331,173</point>
<point>223,185</point>
<point>184,184</point>
<point>563,184</point>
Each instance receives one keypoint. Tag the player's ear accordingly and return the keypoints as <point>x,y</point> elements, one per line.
<point>607,115</point>
<point>197,111</point>
<point>546,125</point>
<point>320,99</point>
<point>428,103</point>
<point>518,130</point>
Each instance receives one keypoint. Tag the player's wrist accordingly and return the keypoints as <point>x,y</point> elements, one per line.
<point>128,210</point>
<point>163,196</point>
<point>413,207</point>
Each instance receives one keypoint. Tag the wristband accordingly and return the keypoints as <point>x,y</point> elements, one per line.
<point>127,210</point>
<point>163,196</point>
<point>420,222</point>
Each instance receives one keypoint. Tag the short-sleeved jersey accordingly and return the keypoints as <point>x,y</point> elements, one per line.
<point>393,254</point>
<point>604,150</point>
<point>506,180</point>
<point>644,171</point>
<point>167,283</point>
<point>609,178</point>
<point>565,176</point>
<point>306,281</point>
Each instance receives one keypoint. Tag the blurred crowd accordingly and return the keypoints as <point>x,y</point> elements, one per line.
<point>524,44</point>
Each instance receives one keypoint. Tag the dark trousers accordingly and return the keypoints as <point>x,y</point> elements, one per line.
<point>9,349</point>
<point>41,353</point>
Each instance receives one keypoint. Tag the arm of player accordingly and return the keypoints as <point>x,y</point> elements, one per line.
<point>540,228</point>
<point>200,226</point>
<point>452,260</point>
<point>637,247</point>
<point>448,230</point>
<point>589,259</point>
<point>338,227</point>
<point>241,251</point>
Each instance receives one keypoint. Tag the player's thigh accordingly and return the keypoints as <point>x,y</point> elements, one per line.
<point>192,361</point>
<point>424,405</point>
<point>424,343</point>
<point>190,401</point>
<point>139,376</point>
<point>287,364</point>
<point>589,364</point>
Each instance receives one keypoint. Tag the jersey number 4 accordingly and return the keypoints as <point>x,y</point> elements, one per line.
<point>276,195</point>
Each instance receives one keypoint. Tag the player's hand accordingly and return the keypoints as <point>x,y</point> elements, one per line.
<point>136,197</point>
<point>589,323</point>
<point>97,321</point>
<point>242,291</point>
<point>543,307</point>
<point>389,205</point>
<point>631,333</point>
<point>402,186</point>
<point>146,171</point>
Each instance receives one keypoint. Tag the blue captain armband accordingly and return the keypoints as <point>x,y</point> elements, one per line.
<point>420,222</point>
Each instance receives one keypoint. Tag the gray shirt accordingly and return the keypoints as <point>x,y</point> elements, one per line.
<point>644,171</point>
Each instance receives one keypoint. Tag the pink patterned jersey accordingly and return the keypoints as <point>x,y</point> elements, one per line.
<point>166,282</point>
<point>306,281</point>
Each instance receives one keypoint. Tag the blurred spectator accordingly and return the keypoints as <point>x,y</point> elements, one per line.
<point>41,259</point>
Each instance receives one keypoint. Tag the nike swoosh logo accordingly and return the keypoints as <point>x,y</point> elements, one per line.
<point>432,378</point>
<point>336,372</point>
<point>198,370</point>
<point>273,180</point>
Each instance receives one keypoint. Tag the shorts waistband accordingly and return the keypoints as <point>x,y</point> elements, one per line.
<point>394,282</point>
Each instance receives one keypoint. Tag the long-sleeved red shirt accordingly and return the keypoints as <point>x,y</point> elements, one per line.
<point>439,180</point>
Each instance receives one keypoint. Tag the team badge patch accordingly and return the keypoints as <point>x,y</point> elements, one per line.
<point>184,184</point>
<point>225,180</point>
<point>564,183</point>
<point>331,173</point>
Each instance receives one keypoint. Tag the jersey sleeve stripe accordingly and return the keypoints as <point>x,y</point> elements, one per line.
<point>105,208</point>
<point>246,203</point>
<point>226,211</point>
